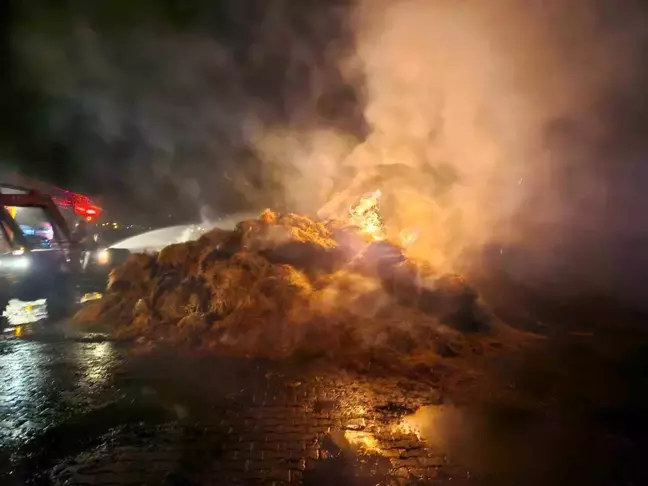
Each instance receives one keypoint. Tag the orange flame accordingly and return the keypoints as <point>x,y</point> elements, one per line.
<point>366,216</point>
<point>408,236</point>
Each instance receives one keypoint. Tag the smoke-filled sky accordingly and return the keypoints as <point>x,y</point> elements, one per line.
<point>507,121</point>
<point>159,98</point>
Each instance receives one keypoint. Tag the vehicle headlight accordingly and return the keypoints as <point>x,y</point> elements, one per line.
<point>103,257</point>
<point>18,263</point>
<point>21,263</point>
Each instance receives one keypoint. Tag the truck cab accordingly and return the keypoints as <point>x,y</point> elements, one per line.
<point>39,258</point>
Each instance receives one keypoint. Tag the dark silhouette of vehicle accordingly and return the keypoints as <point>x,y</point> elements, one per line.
<point>39,257</point>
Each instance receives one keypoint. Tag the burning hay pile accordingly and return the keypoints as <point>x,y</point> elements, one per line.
<point>284,284</point>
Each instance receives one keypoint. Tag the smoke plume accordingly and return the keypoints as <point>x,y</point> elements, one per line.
<point>503,124</point>
<point>491,123</point>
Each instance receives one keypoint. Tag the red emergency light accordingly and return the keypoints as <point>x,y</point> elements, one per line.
<point>80,204</point>
<point>83,208</point>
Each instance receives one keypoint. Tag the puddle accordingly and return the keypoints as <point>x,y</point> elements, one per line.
<point>348,458</point>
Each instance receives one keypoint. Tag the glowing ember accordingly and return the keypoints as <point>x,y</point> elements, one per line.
<point>366,216</point>
<point>408,236</point>
<point>408,425</point>
<point>364,441</point>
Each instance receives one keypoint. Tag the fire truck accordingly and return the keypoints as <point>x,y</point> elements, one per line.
<point>73,206</point>
<point>40,255</point>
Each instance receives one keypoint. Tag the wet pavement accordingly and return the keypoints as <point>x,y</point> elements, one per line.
<point>76,409</point>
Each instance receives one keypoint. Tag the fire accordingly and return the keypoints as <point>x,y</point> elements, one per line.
<point>408,237</point>
<point>366,216</point>
<point>408,425</point>
<point>364,441</point>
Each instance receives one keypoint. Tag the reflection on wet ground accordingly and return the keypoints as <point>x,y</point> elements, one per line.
<point>78,409</point>
<point>78,412</point>
<point>42,382</point>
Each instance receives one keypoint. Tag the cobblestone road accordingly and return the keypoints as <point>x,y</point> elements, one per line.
<point>75,412</point>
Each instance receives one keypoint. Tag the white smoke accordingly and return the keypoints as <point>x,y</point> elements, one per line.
<point>480,122</point>
<point>484,126</point>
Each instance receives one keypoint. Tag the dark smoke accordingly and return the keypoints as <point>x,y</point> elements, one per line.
<point>526,119</point>
<point>160,115</point>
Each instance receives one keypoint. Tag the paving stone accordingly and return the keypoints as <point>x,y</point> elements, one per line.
<point>267,432</point>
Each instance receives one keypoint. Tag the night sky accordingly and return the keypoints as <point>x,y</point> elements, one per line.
<point>137,103</point>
